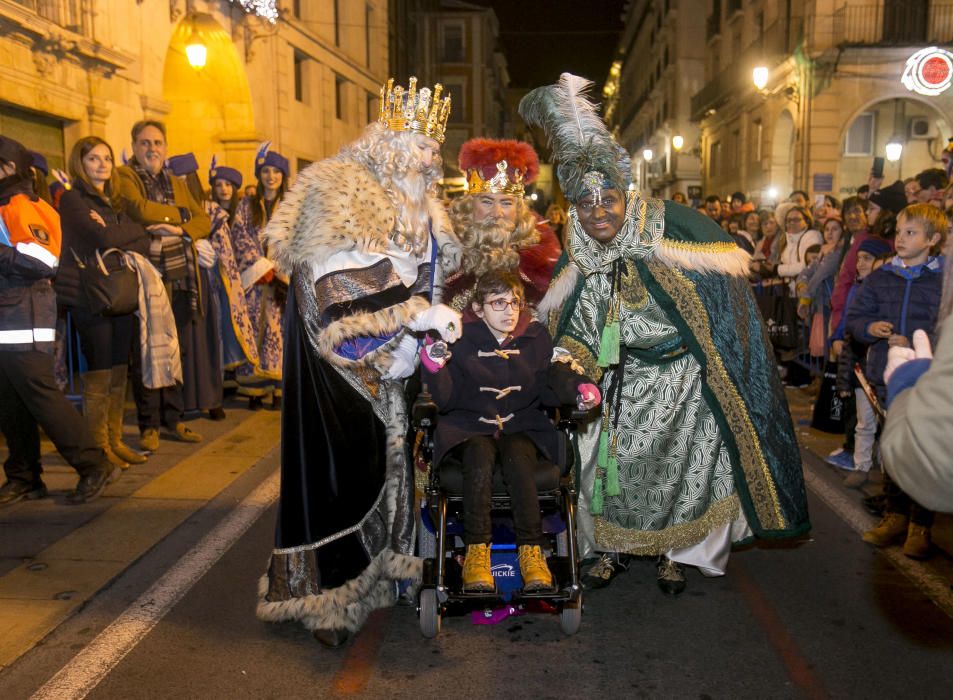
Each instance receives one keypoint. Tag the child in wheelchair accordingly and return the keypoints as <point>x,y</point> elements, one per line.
<point>490,391</point>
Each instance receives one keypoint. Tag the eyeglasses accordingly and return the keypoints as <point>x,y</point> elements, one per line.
<point>502,304</point>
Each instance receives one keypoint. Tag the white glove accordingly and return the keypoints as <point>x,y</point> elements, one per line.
<point>206,253</point>
<point>441,318</point>
<point>897,356</point>
<point>405,359</point>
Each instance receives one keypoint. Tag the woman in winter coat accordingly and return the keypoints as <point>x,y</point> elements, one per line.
<point>92,220</point>
<point>798,237</point>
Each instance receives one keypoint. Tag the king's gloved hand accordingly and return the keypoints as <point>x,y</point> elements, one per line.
<point>589,396</point>
<point>405,359</point>
<point>440,318</point>
<point>206,253</point>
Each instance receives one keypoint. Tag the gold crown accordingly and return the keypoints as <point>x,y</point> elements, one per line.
<point>420,111</point>
<point>498,184</point>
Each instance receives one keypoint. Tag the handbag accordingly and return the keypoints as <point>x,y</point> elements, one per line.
<point>828,413</point>
<point>110,282</point>
<point>779,312</point>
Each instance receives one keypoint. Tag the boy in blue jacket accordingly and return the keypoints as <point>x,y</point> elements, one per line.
<point>901,297</point>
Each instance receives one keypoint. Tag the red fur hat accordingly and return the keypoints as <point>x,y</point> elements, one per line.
<point>482,155</point>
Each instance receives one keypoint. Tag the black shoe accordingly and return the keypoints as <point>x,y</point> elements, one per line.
<point>876,504</point>
<point>601,573</point>
<point>331,638</point>
<point>217,413</point>
<point>254,403</point>
<point>671,576</point>
<point>14,491</point>
<point>92,485</point>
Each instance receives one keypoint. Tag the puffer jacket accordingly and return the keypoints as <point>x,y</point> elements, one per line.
<point>909,298</point>
<point>27,302</point>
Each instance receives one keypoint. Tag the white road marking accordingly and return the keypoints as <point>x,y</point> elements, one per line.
<point>87,669</point>
<point>935,587</point>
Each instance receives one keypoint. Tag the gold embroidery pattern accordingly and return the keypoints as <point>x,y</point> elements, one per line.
<point>693,247</point>
<point>761,487</point>
<point>633,293</point>
<point>582,355</point>
<point>613,538</point>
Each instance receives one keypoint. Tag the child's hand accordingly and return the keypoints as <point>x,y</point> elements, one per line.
<point>898,341</point>
<point>837,347</point>
<point>843,394</point>
<point>880,329</point>
<point>589,397</point>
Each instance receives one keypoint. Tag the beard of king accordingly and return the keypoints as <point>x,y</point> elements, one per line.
<point>493,243</point>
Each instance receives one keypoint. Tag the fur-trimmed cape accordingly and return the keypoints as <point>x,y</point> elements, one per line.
<point>346,517</point>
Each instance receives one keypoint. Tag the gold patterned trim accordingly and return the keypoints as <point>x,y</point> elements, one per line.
<point>582,355</point>
<point>614,538</point>
<point>633,293</point>
<point>702,247</point>
<point>760,485</point>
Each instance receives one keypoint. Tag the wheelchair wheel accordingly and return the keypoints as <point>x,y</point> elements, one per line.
<point>570,617</point>
<point>430,613</point>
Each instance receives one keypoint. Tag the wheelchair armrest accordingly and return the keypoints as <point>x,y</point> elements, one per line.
<point>423,414</point>
<point>570,416</point>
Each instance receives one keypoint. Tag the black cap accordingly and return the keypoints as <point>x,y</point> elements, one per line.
<point>14,152</point>
<point>892,198</point>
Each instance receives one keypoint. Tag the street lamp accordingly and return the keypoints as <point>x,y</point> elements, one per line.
<point>647,155</point>
<point>772,194</point>
<point>894,150</point>
<point>677,142</point>
<point>760,77</point>
<point>195,50</point>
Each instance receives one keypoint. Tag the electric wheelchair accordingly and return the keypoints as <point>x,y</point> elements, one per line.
<point>440,529</point>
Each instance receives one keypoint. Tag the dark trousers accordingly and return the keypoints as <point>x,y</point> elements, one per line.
<point>899,502</point>
<point>519,461</point>
<point>165,406</point>
<point>29,396</point>
<point>105,340</point>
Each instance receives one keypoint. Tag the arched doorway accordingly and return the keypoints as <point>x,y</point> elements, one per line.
<point>211,107</point>
<point>919,126</point>
<point>782,154</point>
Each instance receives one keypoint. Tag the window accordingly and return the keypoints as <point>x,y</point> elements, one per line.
<point>452,46</point>
<point>714,159</point>
<point>860,136</point>
<point>458,112</point>
<point>372,107</point>
<point>337,22</point>
<point>301,76</point>
<point>368,22</point>
<point>757,134</point>
<point>339,94</point>
<point>296,9</point>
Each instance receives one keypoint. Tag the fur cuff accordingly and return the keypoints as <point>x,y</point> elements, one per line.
<point>255,272</point>
<point>379,323</point>
<point>347,606</point>
<point>724,258</point>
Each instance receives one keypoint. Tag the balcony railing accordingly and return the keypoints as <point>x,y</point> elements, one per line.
<point>894,23</point>
<point>74,15</point>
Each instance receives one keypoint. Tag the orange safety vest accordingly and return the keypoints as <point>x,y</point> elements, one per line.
<point>32,221</point>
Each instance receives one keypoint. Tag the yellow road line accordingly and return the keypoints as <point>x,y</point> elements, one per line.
<point>38,596</point>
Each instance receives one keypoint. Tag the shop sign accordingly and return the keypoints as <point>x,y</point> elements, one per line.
<point>929,71</point>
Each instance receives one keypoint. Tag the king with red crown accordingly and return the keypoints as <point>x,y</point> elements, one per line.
<point>496,226</point>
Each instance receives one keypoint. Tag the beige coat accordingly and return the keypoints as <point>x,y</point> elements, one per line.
<point>917,441</point>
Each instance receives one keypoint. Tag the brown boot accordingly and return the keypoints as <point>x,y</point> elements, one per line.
<point>890,530</point>
<point>917,544</point>
<point>117,402</point>
<point>96,410</point>
<point>476,570</point>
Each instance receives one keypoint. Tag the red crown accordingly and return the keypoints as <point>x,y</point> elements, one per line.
<point>482,156</point>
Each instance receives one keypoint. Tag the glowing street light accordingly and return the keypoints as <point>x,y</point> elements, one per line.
<point>772,194</point>
<point>677,142</point>
<point>648,155</point>
<point>894,150</point>
<point>195,50</point>
<point>760,77</point>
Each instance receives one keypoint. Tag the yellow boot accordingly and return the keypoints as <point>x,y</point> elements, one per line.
<point>533,568</point>
<point>917,545</point>
<point>476,570</point>
<point>890,530</point>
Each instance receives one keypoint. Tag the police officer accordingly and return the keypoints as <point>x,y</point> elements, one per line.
<point>29,254</point>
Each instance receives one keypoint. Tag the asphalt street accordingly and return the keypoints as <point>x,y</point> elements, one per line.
<point>828,617</point>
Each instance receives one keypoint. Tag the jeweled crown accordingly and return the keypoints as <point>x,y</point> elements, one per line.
<point>419,111</point>
<point>501,183</point>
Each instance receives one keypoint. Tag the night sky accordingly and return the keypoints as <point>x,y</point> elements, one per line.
<point>542,39</point>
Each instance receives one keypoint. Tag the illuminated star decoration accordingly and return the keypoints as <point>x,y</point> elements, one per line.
<point>263,8</point>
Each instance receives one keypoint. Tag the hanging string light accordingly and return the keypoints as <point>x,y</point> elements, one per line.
<point>268,9</point>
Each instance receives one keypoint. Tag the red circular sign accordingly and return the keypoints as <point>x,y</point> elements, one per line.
<point>934,71</point>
